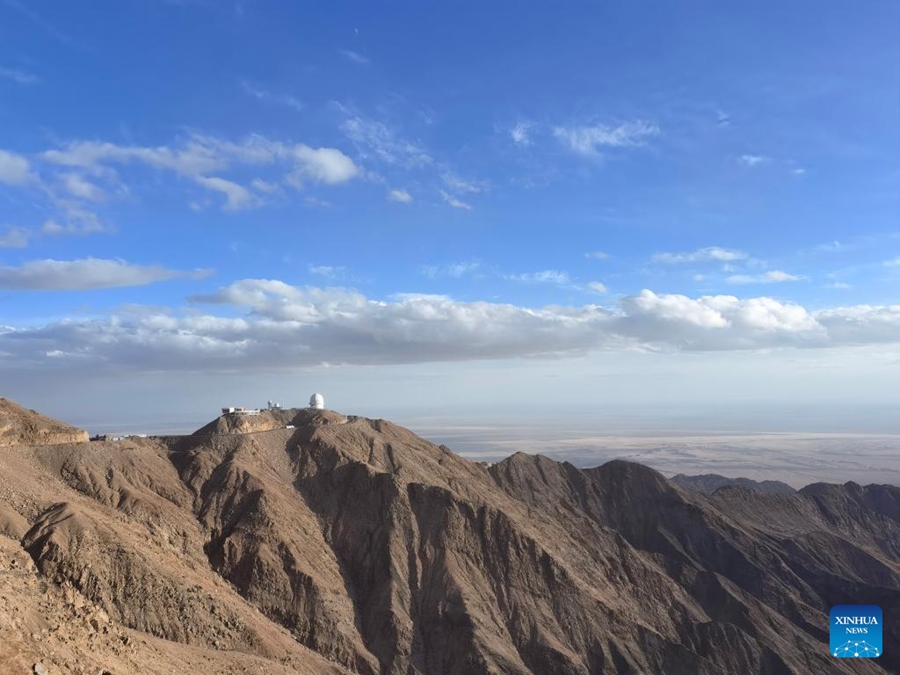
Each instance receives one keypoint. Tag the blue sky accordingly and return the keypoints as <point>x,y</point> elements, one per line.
<point>353,195</point>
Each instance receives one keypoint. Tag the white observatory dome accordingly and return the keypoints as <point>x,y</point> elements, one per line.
<point>317,401</point>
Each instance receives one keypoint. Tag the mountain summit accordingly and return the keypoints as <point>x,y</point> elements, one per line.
<point>306,541</point>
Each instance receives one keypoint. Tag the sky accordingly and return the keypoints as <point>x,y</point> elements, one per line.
<point>495,208</point>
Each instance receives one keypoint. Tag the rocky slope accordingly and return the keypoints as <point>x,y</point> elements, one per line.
<point>351,545</point>
<point>20,426</point>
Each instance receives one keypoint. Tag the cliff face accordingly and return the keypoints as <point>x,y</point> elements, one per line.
<point>351,545</point>
<point>20,426</point>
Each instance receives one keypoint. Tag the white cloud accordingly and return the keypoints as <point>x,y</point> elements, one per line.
<point>14,237</point>
<point>73,219</point>
<point>598,287</point>
<point>19,76</point>
<point>770,277</point>
<point>200,155</point>
<point>708,254</point>
<point>77,186</point>
<point>457,184</point>
<point>719,322</point>
<point>401,196</point>
<point>862,324</point>
<point>520,134</point>
<point>753,160</point>
<point>377,140</point>
<point>265,96</point>
<point>543,277</point>
<point>895,262</point>
<point>454,270</point>
<point>597,255</point>
<point>454,202</point>
<point>317,203</point>
<point>237,197</point>
<point>85,274</point>
<point>265,187</point>
<point>588,140</point>
<point>840,285</point>
<point>355,57</point>
<point>322,165</point>
<point>15,169</point>
<point>283,326</point>
<point>328,271</point>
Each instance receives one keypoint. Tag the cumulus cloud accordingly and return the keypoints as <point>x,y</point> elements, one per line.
<point>589,140</point>
<point>85,274</point>
<point>14,237</point>
<point>708,254</point>
<point>323,165</point>
<point>273,324</point>
<point>401,196</point>
<point>598,287</point>
<point>719,322</point>
<point>15,169</point>
<point>770,277</point>
<point>862,324</point>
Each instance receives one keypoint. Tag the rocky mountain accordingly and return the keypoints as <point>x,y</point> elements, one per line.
<point>710,482</point>
<point>350,545</point>
<point>20,426</point>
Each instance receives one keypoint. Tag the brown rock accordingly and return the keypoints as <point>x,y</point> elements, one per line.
<point>351,545</point>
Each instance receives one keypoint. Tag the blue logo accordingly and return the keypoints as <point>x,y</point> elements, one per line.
<point>856,631</point>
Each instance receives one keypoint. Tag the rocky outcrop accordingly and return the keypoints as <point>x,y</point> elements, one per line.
<point>20,426</point>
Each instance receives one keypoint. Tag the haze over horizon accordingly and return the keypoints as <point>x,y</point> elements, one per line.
<point>677,218</point>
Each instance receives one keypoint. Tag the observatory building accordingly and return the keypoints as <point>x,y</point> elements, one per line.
<point>317,401</point>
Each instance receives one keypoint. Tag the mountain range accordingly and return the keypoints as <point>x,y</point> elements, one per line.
<point>307,541</point>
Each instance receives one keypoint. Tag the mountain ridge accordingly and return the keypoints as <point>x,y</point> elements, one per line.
<point>355,546</point>
<point>710,482</point>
